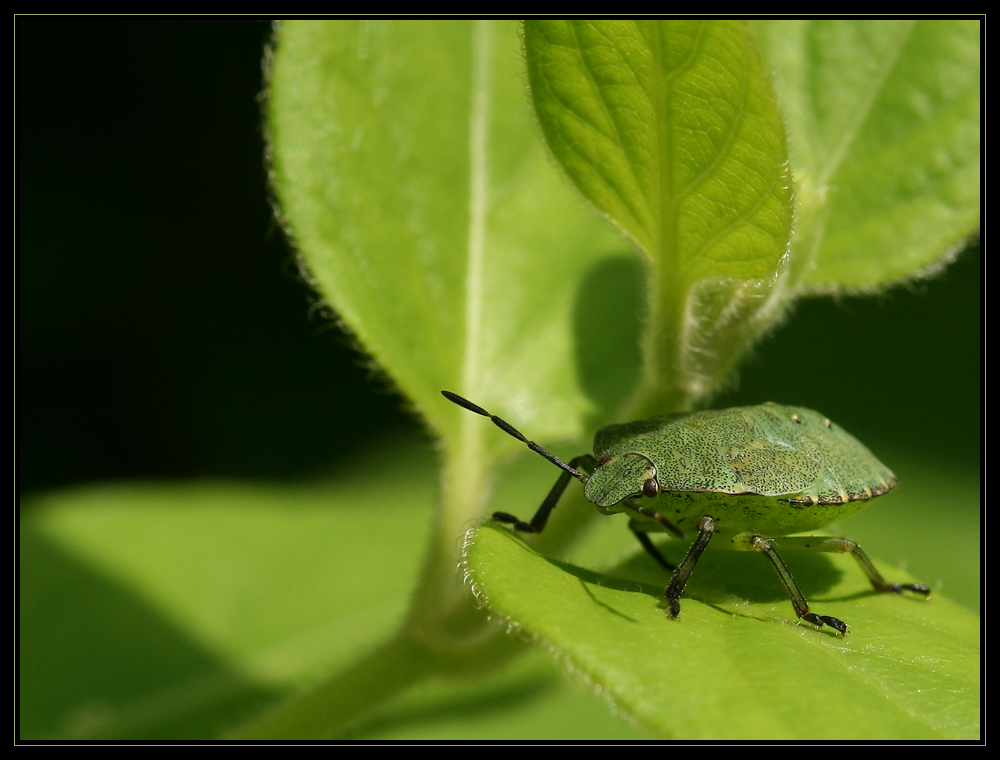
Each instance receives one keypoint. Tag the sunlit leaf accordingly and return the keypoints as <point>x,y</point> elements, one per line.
<point>672,130</point>
<point>884,131</point>
<point>418,194</point>
<point>736,665</point>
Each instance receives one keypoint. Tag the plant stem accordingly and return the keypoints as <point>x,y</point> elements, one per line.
<point>333,706</point>
<point>444,633</point>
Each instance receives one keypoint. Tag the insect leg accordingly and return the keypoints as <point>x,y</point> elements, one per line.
<point>839,546</point>
<point>678,581</point>
<point>649,546</point>
<point>668,526</point>
<point>762,545</point>
<point>585,461</point>
<point>639,527</point>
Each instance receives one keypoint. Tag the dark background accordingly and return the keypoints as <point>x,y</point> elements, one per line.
<point>162,330</point>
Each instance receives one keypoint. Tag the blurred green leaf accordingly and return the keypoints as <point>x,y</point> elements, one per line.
<point>530,698</point>
<point>175,611</point>
<point>239,589</point>
<point>929,526</point>
<point>884,130</point>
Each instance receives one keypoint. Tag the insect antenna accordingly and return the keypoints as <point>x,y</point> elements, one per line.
<point>511,430</point>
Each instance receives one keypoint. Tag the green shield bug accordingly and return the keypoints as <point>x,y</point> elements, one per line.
<point>749,475</point>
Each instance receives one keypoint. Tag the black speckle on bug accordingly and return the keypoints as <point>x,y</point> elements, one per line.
<point>882,488</point>
<point>827,500</point>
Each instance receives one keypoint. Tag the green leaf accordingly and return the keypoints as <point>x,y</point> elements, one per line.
<point>736,621</point>
<point>419,196</point>
<point>671,129</point>
<point>735,665</point>
<point>415,187</point>
<point>177,611</point>
<point>529,699</point>
<point>884,130</point>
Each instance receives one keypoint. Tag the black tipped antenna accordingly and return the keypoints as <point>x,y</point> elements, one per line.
<point>511,430</point>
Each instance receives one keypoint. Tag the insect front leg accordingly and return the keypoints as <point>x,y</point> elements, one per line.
<point>586,462</point>
<point>753,542</point>
<point>678,581</point>
<point>840,545</point>
<point>635,526</point>
<point>639,528</point>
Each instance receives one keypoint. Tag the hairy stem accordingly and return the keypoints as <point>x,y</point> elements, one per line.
<point>330,708</point>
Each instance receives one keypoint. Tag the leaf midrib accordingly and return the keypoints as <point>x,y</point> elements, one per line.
<point>478,200</point>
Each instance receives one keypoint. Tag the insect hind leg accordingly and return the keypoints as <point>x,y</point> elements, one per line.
<point>799,603</point>
<point>840,545</point>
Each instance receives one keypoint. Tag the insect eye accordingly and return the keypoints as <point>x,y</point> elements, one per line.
<point>650,487</point>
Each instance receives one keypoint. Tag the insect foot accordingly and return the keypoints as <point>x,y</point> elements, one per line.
<point>836,623</point>
<point>799,603</point>
<point>510,519</point>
